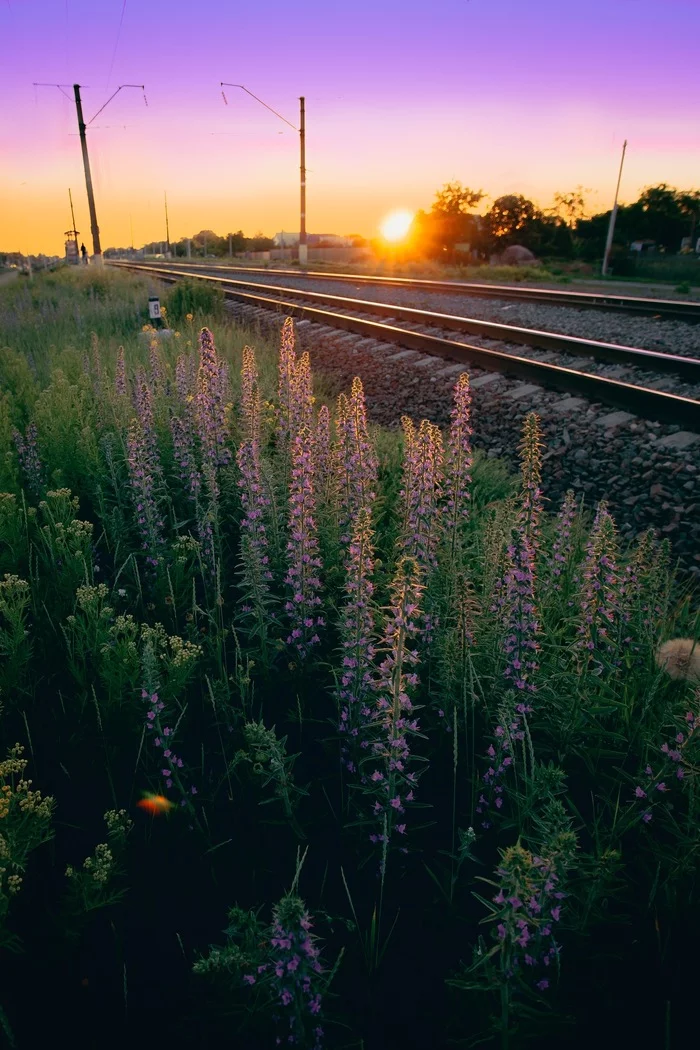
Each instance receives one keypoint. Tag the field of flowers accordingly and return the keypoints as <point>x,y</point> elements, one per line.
<point>315,734</point>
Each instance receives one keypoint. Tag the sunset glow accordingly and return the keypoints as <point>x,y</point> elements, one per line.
<point>527,114</point>
<point>396,225</point>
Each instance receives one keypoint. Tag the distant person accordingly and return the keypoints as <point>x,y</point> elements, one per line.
<point>83,252</point>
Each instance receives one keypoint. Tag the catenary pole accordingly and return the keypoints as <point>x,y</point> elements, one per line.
<point>303,250</point>
<point>167,225</point>
<point>95,229</point>
<point>613,215</point>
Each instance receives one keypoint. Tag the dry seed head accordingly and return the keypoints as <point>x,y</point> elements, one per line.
<point>680,658</point>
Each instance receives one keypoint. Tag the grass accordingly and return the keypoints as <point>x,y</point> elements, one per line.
<point>335,731</point>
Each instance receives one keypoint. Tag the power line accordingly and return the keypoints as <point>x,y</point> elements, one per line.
<point>116,45</point>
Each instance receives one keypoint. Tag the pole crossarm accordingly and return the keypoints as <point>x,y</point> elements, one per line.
<point>225,83</point>
<point>121,87</point>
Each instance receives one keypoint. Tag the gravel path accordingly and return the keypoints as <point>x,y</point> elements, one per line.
<point>649,472</point>
<point>677,337</point>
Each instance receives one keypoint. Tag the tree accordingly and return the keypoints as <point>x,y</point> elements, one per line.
<point>511,215</point>
<point>570,207</point>
<point>448,222</point>
<point>454,199</point>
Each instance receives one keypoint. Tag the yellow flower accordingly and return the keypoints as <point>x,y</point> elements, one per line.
<point>189,317</point>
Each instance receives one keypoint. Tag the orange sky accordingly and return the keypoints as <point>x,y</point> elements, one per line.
<point>502,99</point>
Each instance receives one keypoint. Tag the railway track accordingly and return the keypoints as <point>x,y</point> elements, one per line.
<point>669,309</point>
<point>356,316</point>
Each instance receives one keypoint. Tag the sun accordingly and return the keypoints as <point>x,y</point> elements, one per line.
<point>396,225</point>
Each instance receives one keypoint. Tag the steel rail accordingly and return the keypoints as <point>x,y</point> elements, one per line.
<point>673,309</point>
<point>652,404</point>
<point>686,367</point>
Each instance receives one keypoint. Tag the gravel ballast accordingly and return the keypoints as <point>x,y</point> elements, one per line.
<point>646,333</point>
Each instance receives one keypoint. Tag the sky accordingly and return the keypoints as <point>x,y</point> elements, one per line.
<point>507,96</point>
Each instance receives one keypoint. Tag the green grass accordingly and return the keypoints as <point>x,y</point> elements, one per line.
<point>131,596</point>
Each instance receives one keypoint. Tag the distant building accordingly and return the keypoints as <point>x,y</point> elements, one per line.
<point>314,240</point>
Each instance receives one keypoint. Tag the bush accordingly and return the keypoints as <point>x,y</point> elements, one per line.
<point>194,297</point>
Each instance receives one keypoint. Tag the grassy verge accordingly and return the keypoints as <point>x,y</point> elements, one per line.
<point>351,697</point>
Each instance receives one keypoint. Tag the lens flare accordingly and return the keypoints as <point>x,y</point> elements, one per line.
<point>396,225</point>
<point>155,804</point>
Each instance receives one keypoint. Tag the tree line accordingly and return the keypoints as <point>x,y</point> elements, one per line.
<point>662,214</point>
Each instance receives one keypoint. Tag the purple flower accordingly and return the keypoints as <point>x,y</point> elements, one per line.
<point>303,560</point>
<point>458,462</point>
<point>145,474</point>
<point>120,374</point>
<point>29,461</point>
<point>599,598</point>
<point>421,491</point>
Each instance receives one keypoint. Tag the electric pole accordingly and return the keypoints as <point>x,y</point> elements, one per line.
<point>303,251</point>
<point>167,226</point>
<point>95,229</point>
<point>613,215</point>
<point>97,251</point>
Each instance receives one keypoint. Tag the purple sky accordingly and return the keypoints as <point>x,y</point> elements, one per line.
<point>401,96</point>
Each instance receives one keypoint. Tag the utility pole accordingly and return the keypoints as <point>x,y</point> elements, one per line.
<point>131,224</point>
<point>230,246</point>
<point>303,251</point>
<point>613,215</point>
<point>167,227</point>
<point>97,250</point>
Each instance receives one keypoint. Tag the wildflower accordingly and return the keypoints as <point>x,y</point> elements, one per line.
<point>392,723</point>
<point>599,599</point>
<point>120,374</point>
<point>211,403</point>
<point>285,378</point>
<point>537,880</point>
<point>357,635</point>
<point>144,469</point>
<point>562,547</point>
<point>458,463</point>
<point>355,460</point>
<point>29,460</point>
<point>302,549</point>
<point>254,545</point>
<point>297,970</point>
<point>421,491</point>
